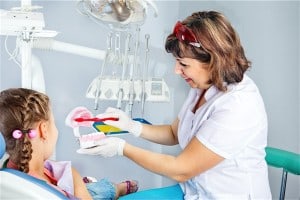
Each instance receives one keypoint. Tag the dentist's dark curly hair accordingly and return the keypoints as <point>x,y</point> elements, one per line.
<point>21,109</point>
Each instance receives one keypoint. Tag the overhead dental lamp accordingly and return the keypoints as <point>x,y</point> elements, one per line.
<point>124,17</point>
<point>131,83</point>
<point>118,14</point>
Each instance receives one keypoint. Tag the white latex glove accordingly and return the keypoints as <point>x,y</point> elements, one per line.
<point>124,123</point>
<point>107,147</point>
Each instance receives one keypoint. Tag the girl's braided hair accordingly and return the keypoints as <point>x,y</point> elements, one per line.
<point>21,109</point>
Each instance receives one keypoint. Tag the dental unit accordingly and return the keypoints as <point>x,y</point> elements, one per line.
<point>120,16</point>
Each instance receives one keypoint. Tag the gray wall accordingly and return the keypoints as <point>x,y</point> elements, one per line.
<point>268,30</point>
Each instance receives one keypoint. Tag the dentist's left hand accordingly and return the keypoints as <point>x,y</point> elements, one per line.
<point>107,147</point>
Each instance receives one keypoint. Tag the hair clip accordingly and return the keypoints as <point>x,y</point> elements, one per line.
<point>17,134</point>
<point>32,133</point>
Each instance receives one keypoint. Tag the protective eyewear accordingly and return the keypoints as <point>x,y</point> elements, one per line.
<point>184,34</point>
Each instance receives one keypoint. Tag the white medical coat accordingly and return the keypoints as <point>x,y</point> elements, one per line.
<point>233,124</point>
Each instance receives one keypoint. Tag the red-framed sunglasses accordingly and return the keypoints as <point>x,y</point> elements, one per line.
<point>184,34</point>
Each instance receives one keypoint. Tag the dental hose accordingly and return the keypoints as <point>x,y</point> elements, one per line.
<point>124,66</point>
<point>98,91</point>
<point>132,68</point>
<point>145,71</point>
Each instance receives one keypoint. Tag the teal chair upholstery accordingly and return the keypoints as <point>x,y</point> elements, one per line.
<point>173,192</point>
<point>288,161</point>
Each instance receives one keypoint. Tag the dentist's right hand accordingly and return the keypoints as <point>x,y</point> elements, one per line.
<point>107,147</point>
<point>124,123</point>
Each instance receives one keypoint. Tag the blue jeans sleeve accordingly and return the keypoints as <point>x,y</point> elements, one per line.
<point>102,189</point>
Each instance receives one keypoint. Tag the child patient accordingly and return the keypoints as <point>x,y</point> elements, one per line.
<point>27,124</point>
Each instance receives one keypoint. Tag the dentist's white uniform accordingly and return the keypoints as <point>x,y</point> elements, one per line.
<point>233,125</point>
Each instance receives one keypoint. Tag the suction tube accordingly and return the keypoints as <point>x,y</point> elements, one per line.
<point>131,74</point>
<point>124,66</point>
<point>98,91</point>
<point>145,71</point>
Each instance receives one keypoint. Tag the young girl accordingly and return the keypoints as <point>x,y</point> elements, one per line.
<point>27,124</point>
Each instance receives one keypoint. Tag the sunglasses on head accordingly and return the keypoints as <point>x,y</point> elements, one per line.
<point>184,34</point>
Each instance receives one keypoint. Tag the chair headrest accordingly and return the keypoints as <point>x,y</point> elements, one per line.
<point>2,145</point>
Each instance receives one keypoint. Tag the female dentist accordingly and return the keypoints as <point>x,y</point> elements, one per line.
<point>221,127</point>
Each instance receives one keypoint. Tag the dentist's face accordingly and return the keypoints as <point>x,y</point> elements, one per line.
<point>193,72</point>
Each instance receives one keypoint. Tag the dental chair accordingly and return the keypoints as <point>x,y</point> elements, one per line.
<point>18,185</point>
<point>288,161</point>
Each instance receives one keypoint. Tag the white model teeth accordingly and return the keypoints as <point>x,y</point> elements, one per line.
<point>89,140</point>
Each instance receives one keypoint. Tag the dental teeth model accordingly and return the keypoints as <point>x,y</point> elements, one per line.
<point>90,140</point>
<point>87,140</point>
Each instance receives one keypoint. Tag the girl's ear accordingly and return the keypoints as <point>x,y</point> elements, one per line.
<point>42,127</point>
